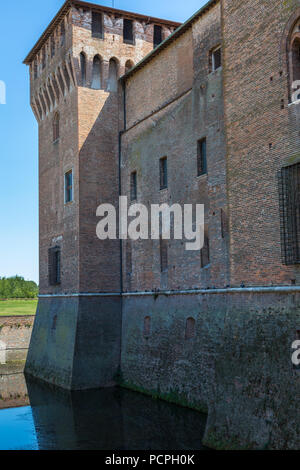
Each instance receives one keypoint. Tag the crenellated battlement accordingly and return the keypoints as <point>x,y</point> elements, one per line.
<point>90,46</point>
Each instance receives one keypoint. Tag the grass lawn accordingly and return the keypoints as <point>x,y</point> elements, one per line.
<point>17,307</point>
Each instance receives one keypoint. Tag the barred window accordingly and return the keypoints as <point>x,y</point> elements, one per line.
<point>157,35</point>
<point>97,25</point>
<point>128,31</point>
<point>133,186</point>
<point>163,165</point>
<point>201,157</point>
<point>216,58</point>
<point>54,266</point>
<point>68,186</point>
<point>289,206</point>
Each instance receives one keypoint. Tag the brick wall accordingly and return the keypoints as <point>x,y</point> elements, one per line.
<point>180,81</point>
<point>256,81</point>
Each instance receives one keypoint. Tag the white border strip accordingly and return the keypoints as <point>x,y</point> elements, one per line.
<point>232,290</point>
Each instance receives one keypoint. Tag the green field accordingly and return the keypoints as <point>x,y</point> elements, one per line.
<point>17,307</point>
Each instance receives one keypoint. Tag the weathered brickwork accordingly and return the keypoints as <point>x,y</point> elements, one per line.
<point>261,136</point>
<point>181,82</point>
<point>181,325</point>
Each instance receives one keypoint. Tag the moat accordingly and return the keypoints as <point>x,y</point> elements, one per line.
<point>35,416</point>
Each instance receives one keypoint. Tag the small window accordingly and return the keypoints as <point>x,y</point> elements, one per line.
<point>190,328</point>
<point>97,25</point>
<point>128,31</point>
<point>163,255</point>
<point>54,266</point>
<point>83,68</point>
<point>128,258</point>
<point>54,321</point>
<point>133,186</point>
<point>163,165</point>
<point>201,157</point>
<point>147,326</point>
<point>56,127</point>
<point>216,59</point>
<point>69,187</point>
<point>205,252</point>
<point>157,35</point>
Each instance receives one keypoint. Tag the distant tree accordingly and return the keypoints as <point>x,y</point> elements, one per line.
<point>17,288</point>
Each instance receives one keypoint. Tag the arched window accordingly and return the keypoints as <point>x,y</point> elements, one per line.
<point>112,76</point>
<point>295,64</point>
<point>96,79</point>
<point>293,51</point>
<point>56,127</point>
<point>83,68</point>
<point>129,65</point>
<point>190,328</point>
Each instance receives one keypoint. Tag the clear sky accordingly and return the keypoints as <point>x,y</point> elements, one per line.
<point>21,24</point>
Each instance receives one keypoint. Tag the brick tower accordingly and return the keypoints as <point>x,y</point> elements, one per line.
<point>76,96</point>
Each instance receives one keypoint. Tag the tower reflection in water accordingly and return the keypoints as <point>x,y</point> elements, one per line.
<point>107,419</point>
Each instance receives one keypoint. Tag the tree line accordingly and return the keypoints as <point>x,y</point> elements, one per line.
<point>17,288</point>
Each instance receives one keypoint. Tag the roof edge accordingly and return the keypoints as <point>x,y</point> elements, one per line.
<point>69,3</point>
<point>176,34</point>
<point>43,38</point>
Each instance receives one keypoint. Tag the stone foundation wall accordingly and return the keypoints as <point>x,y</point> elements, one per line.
<point>237,366</point>
<point>15,334</point>
<point>76,341</point>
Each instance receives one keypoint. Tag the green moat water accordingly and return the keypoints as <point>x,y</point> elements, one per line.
<point>34,415</point>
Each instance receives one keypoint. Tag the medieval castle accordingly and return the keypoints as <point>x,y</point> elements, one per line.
<point>200,112</point>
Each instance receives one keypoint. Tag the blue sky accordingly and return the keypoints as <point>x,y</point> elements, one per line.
<point>21,24</point>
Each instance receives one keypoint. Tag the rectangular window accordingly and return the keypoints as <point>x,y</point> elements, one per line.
<point>54,266</point>
<point>133,186</point>
<point>69,187</point>
<point>97,25</point>
<point>205,252</point>
<point>216,58</point>
<point>163,165</point>
<point>201,157</point>
<point>128,31</point>
<point>128,258</point>
<point>157,35</point>
<point>289,205</point>
<point>163,255</point>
